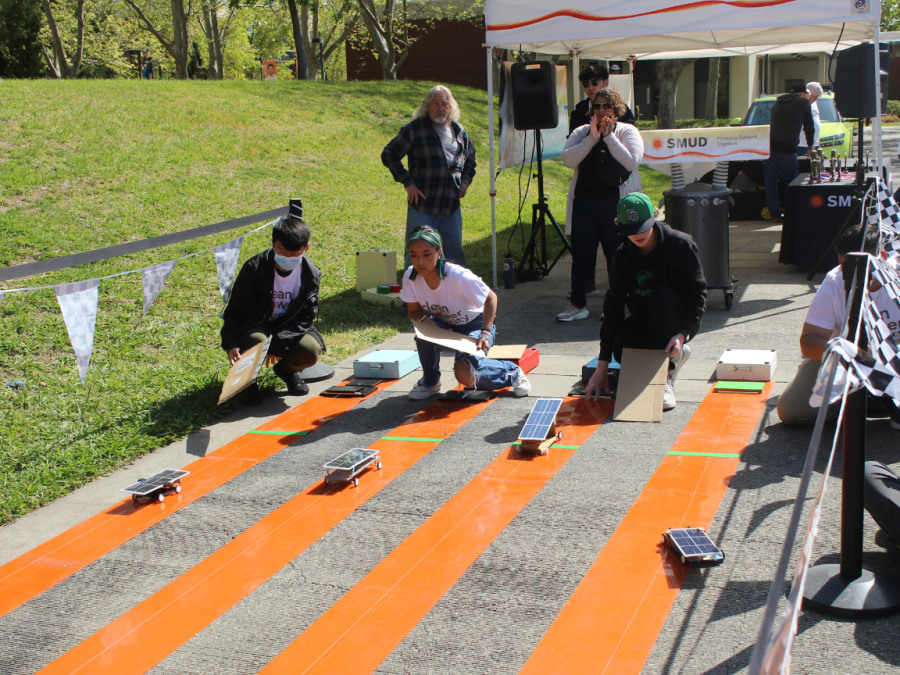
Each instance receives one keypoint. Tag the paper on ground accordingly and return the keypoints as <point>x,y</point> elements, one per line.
<point>642,383</point>
<point>430,331</point>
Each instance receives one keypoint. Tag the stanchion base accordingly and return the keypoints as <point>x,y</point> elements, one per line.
<point>872,596</point>
<point>317,373</point>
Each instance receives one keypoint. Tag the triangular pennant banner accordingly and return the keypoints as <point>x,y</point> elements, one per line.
<point>78,302</point>
<point>227,256</point>
<point>154,279</point>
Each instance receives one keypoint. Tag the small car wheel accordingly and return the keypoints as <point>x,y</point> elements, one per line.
<point>356,482</point>
<point>378,466</point>
<point>177,489</point>
<point>683,560</point>
<point>161,498</point>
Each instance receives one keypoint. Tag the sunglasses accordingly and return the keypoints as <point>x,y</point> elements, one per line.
<point>602,106</point>
<point>591,83</point>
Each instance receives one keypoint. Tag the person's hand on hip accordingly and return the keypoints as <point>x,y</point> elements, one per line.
<point>413,194</point>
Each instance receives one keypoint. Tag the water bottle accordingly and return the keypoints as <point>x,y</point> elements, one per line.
<point>509,271</point>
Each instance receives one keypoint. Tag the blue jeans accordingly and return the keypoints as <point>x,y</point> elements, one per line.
<point>593,223</point>
<point>780,167</point>
<point>449,227</point>
<point>490,374</point>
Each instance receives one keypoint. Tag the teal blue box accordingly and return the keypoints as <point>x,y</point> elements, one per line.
<point>587,370</point>
<point>386,364</point>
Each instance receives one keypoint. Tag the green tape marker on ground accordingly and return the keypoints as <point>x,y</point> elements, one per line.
<point>727,455</point>
<point>557,445</point>
<point>279,433</point>
<point>415,440</point>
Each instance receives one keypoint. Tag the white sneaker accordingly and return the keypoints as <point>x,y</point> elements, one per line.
<point>669,395</point>
<point>420,391</point>
<point>521,385</point>
<point>573,313</point>
<point>680,360</point>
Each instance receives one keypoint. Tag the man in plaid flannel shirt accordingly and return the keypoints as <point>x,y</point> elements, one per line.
<point>441,162</point>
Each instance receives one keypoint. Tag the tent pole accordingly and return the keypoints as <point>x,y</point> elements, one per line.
<point>876,121</point>
<point>493,189</point>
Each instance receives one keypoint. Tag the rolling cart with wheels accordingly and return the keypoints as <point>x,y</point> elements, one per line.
<point>693,545</point>
<point>157,487</point>
<point>346,468</point>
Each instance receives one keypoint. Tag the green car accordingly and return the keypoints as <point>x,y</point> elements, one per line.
<point>835,133</point>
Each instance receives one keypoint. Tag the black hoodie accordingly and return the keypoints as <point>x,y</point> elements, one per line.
<point>790,113</point>
<point>674,263</point>
<point>251,305</point>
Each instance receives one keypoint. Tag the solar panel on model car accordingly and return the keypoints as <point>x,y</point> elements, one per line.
<point>155,482</point>
<point>350,459</point>
<point>541,418</point>
<point>694,542</point>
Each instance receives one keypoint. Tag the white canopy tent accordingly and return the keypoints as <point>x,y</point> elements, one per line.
<point>617,30</point>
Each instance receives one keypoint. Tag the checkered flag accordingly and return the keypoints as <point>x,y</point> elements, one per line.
<point>888,213</point>
<point>154,279</point>
<point>227,256</point>
<point>78,302</point>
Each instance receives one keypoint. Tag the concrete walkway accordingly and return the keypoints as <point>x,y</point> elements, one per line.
<point>495,614</point>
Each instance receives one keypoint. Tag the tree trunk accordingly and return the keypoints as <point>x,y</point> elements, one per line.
<point>299,43</point>
<point>180,42</point>
<point>58,65</point>
<point>712,90</point>
<point>207,13</point>
<point>667,72</point>
<point>383,36</point>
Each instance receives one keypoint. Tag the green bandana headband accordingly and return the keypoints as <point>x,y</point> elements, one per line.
<point>434,239</point>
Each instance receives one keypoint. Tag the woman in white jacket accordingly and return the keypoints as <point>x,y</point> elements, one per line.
<point>605,155</point>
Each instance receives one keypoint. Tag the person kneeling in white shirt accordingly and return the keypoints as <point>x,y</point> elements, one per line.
<point>823,322</point>
<point>459,301</point>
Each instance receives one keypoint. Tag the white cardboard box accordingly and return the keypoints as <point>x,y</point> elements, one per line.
<point>749,365</point>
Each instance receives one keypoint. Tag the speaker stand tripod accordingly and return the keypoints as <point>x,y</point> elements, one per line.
<point>534,262</point>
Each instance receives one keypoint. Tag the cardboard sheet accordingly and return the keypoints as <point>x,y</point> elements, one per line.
<point>642,383</point>
<point>428,330</point>
<point>507,352</point>
<point>243,373</point>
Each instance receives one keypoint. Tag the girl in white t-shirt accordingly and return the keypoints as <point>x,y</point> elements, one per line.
<point>459,301</point>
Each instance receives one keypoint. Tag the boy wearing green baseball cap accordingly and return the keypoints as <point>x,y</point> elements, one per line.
<point>656,273</point>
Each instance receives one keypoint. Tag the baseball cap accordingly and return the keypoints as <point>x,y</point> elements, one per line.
<point>635,213</point>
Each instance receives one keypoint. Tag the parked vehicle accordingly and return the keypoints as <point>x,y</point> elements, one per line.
<point>835,134</point>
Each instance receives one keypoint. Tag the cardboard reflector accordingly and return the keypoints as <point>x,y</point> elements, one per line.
<point>243,372</point>
<point>642,383</point>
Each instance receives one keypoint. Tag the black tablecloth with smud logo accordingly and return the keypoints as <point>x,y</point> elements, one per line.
<point>813,214</point>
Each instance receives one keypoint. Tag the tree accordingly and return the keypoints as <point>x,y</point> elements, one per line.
<point>667,72</point>
<point>389,34</point>
<point>59,65</point>
<point>712,90</point>
<point>215,36</point>
<point>890,15</point>
<point>300,46</point>
<point>178,46</point>
<point>333,23</point>
<point>20,45</point>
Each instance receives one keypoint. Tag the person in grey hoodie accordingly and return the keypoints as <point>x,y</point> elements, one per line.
<point>790,113</point>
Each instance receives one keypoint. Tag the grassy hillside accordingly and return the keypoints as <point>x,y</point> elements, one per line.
<point>88,164</point>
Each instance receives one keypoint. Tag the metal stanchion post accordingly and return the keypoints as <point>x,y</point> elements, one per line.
<point>848,590</point>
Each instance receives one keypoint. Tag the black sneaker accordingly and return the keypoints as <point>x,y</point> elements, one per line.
<point>294,382</point>
<point>252,395</point>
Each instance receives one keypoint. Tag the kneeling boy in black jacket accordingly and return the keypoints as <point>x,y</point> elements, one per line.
<point>277,293</point>
<point>656,273</point>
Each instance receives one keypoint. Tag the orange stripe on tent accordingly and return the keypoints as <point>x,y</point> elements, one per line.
<point>44,566</point>
<point>613,618</point>
<point>148,633</point>
<point>360,630</point>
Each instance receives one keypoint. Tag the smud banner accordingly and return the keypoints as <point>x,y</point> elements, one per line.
<point>717,144</point>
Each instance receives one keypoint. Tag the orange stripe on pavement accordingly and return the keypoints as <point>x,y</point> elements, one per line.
<point>44,566</point>
<point>613,618</point>
<point>148,633</point>
<point>360,630</point>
